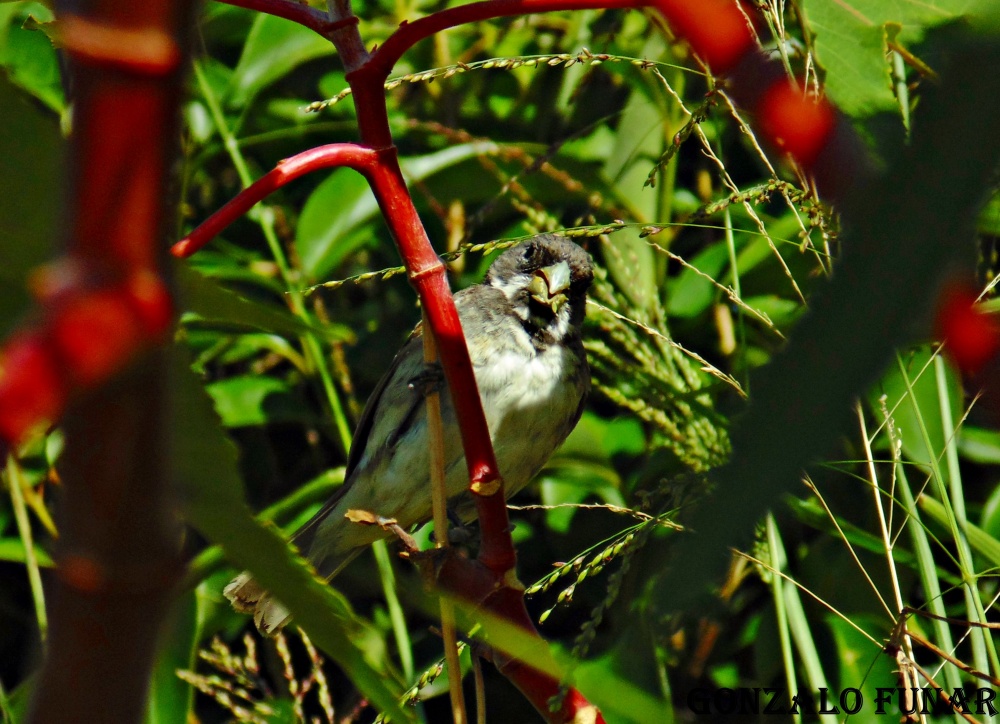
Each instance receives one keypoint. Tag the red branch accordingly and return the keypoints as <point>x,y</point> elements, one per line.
<point>335,155</point>
<point>118,551</point>
<point>428,276</point>
<point>296,12</point>
<point>385,57</point>
<point>716,29</point>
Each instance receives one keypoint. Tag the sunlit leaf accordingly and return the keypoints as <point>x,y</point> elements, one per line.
<point>851,44</point>
<point>332,221</point>
<point>274,47</point>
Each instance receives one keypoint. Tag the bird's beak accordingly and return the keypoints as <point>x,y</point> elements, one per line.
<point>548,285</point>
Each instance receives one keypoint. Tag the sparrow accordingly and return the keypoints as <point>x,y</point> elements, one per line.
<point>522,325</point>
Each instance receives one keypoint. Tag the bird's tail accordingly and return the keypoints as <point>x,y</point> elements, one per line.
<point>269,614</point>
<point>247,596</point>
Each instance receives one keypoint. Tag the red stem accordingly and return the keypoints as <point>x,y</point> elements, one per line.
<point>428,276</point>
<point>296,12</point>
<point>351,155</point>
<point>385,57</point>
<point>118,551</point>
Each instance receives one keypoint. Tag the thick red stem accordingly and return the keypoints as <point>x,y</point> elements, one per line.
<point>118,552</point>
<point>428,276</point>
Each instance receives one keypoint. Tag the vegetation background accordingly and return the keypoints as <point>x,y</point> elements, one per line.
<point>598,123</point>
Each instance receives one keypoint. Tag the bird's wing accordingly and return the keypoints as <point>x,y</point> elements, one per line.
<point>390,411</point>
<point>403,361</point>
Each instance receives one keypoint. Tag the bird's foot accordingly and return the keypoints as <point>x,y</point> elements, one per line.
<point>460,533</point>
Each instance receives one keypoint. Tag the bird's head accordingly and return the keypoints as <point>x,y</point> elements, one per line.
<point>546,280</point>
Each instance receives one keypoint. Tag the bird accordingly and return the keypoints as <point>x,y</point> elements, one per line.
<point>522,326</point>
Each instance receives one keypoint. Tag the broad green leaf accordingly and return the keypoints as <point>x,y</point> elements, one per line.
<point>27,53</point>
<point>570,485</point>
<point>639,142</point>
<point>920,371</point>
<point>170,698</point>
<point>979,444</point>
<point>862,665</point>
<point>257,400</point>
<point>12,549</point>
<point>989,217</point>
<point>334,218</point>
<point>30,151</point>
<point>781,311</point>
<point>851,44</point>
<point>204,461</point>
<point>599,438</point>
<point>690,293</point>
<point>214,304</point>
<point>981,541</point>
<point>274,47</point>
<point>291,513</point>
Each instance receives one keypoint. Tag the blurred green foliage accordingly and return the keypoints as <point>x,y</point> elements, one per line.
<point>709,261</point>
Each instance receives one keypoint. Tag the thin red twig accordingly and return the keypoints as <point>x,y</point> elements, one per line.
<point>409,34</point>
<point>349,155</point>
<point>296,12</point>
<point>715,28</point>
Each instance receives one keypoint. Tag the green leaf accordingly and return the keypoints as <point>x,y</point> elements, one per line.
<point>925,391</point>
<point>982,542</point>
<point>214,304</point>
<point>12,549</point>
<point>599,438</point>
<point>851,44</point>
<point>170,698</point>
<point>274,47</point>
<point>861,665</point>
<point>979,444</point>
<point>212,497</point>
<point>30,157</point>
<point>690,293</point>
<point>990,518</point>
<point>893,252</point>
<point>632,665</point>
<point>27,53</point>
<point>334,220</point>
<point>989,217</point>
<point>257,400</point>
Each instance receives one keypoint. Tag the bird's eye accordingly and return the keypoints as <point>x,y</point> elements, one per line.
<point>529,253</point>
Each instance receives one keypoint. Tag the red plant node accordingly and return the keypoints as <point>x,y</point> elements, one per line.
<point>150,302</point>
<point>82,573</point>
<point>716,29</point>
<point>794,122</point>
<point>96,333</point>
<point>32,390</point>
<point>971,336</point>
